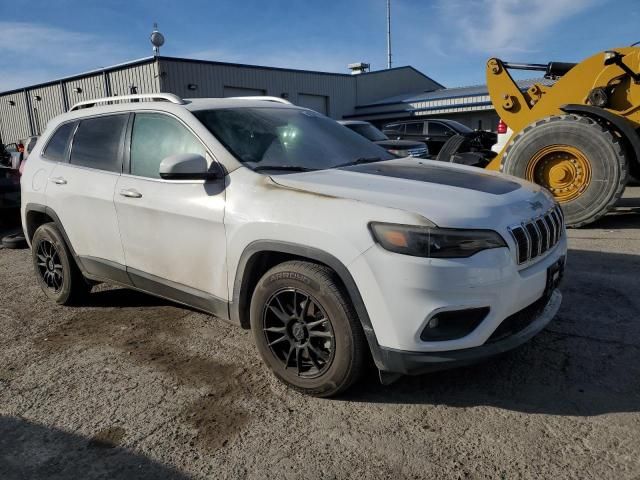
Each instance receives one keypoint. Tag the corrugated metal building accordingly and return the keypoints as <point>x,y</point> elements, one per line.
<point>380,96</point>
<point>25,112</point>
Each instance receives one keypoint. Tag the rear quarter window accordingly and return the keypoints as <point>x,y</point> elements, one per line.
<point>57,147</point>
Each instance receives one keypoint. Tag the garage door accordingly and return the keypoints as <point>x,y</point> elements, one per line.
<point>314,102</point>
<point>242,92</point>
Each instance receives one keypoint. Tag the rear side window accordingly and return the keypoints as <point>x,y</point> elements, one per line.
<point>156,137</point>
<point>57,146</point>
<point>415,128</point>
<point>97,143</point>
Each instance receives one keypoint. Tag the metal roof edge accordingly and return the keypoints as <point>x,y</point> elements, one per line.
<point>112,68</point>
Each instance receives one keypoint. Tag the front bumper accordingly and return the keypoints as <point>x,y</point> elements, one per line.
<point>415,363</point>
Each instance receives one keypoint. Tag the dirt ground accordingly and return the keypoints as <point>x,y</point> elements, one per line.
<point>130,386</point>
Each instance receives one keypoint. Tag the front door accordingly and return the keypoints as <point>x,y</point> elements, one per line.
<point>437,135</point>
<point>172,230</point>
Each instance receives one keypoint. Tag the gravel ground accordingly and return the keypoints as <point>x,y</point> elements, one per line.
<point>130,386</point>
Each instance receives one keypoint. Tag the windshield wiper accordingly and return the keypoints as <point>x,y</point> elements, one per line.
<point>290,168</point>
<point>359,161</point>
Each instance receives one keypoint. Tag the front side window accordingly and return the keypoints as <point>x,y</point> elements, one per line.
<point>288,138</point>
<point>97,142</point>
<point>57,146</point>
<point>436,128</point>
<point>155,137</point>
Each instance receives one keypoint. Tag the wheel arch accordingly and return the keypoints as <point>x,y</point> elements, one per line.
<point>36,215</point>
<point>623,126</point>
<point>261,255</point>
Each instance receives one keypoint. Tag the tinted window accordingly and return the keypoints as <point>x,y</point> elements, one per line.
<point>57,146</point>
<point>457,126</point>
<point>438,129</point>
<point>414,128</point>
<point>393,128</point>
<point>272,137</point>
<point>155,137</point>
<point>368,131</point>
<point>97,141</point>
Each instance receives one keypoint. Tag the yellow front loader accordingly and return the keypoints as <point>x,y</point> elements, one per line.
<point>579,137</point>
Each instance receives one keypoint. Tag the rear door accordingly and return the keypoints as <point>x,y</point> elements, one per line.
<point>80,191</point>
<point>414,131</point>
<point>172,230</point>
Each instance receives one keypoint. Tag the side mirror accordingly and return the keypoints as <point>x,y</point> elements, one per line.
<point>189,166</point>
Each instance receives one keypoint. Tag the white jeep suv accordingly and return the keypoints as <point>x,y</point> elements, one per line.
<point>281,220</point>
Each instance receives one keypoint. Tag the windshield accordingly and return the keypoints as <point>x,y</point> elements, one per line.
<point>288,138</point>
<point>368,131</point>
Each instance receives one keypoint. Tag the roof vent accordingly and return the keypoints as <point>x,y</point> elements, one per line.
<point>359,67</point>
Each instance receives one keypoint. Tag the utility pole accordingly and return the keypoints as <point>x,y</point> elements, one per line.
<point>388,33</point>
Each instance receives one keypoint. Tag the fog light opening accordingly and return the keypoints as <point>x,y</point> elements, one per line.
<point>453,324</point>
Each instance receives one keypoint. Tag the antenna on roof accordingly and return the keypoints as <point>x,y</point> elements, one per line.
<point>157,40</point>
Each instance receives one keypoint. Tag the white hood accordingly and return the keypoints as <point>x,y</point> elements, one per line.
<point>447,194</point>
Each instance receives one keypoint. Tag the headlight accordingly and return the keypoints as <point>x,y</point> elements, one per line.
<point>397,153</point>
<point>434,242</point>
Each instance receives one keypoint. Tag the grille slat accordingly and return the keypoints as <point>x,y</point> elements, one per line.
<point>537,236</point>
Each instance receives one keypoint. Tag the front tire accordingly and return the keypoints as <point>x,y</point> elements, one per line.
<point>306,330</point>
<point>56,271</point>
<point>579,161</point>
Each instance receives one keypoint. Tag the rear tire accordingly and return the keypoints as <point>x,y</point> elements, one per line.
<point>306,330</point>
<point>14,241</point>
<point>585,193</point>
<point>56,271</point>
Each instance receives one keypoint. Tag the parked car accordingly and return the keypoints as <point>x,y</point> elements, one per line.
<point>399,148</point>
<point>435,132</point>
<point>282,221</point>
<point>504,134</point>
<point>13,154</point>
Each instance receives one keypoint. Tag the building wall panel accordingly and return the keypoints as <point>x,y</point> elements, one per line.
<point>14,122</point>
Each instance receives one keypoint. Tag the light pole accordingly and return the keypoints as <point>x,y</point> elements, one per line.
<point>388,33</point>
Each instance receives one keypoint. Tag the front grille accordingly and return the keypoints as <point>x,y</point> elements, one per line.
<point>535,237</point>
<point>417,152</point>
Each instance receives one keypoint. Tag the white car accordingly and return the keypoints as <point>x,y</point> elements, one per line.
<point>504,134</point>
<point>281,220</point>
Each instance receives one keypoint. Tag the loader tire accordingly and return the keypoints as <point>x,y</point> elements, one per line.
<point>455,144</point>
<point>582,163</point>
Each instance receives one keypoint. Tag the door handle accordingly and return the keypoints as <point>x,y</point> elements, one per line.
<point>130,193</point>
<point>58,180</point>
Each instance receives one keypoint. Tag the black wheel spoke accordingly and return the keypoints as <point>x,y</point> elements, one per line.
<point>282,316</point>
<point>322,356</point>
<point>297,329</point>
<point>313,356</point>
<point>320,334</point>
<point>316,323</point>
<point>292,349</point>
<point>283,338</point>
<point>299,360</point>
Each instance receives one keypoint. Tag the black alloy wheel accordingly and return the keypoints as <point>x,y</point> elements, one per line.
<point>299,332</point>
<point>49,265</point>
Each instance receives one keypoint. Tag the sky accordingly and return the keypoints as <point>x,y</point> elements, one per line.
<point>449,40</point>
